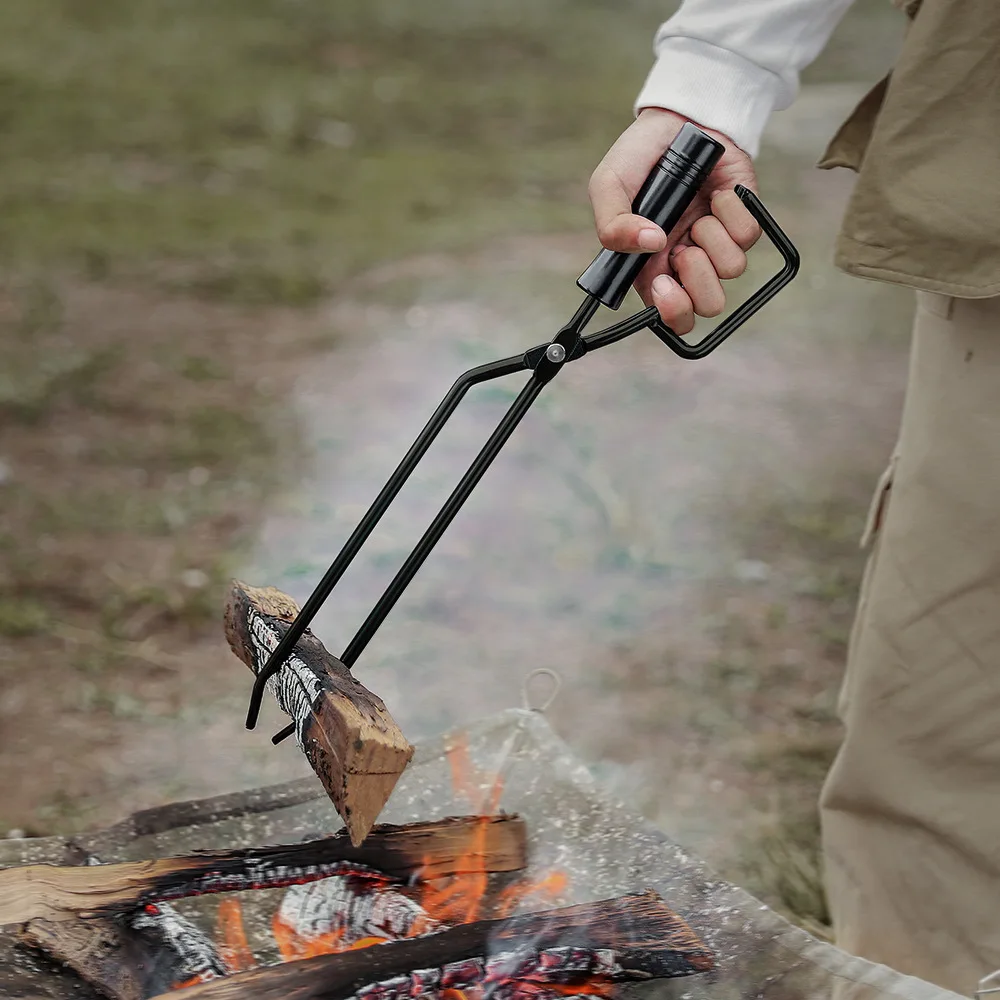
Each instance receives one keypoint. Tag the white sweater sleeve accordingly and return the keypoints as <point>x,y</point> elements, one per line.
<point>727,64</point>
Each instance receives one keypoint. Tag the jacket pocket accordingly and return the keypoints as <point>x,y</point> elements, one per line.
<point>850,142</point>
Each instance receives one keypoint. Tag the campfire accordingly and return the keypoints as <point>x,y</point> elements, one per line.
<point>437,910</point>
<point>431,910</point>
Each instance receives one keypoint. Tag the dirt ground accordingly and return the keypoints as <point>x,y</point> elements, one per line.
<point>218,333</point>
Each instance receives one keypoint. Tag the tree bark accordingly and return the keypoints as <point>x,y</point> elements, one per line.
<point>648,940</point>
<point>345,731</point>
<point>425,850</point>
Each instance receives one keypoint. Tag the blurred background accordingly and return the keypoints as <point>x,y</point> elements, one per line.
<point>247,245</point>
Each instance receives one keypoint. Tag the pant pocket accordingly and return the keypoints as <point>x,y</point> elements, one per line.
<point>879,502</point>
<point>869,540</point>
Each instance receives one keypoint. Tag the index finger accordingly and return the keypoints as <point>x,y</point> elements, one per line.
<point>618,228</point>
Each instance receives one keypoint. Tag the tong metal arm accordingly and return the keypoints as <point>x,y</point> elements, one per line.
<point>544,362</point>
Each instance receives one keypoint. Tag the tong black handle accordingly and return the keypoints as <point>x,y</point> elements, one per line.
<point>663,198</point>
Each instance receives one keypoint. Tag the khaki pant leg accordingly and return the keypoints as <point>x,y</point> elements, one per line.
<point>911,808</point>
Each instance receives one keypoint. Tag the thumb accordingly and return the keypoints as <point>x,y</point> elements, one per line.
<point>617,227</point>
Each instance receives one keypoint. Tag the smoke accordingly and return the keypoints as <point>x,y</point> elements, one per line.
<point>638,490</point>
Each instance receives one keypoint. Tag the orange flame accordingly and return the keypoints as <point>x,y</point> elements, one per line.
<point>547,891</point>
<point>457,899</point>
<point>293,945</point>
<point>469,781</point>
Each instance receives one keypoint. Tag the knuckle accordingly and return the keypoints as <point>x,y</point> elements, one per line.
<point>696,257</point>
<point>704,229</point>
<point>732,266</point>
<point>725,200</point>
<point>748,234</point>
<point>607,234</point>
<point>690,260</point>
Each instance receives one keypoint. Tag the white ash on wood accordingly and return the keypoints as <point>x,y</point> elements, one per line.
<point>335,907</point>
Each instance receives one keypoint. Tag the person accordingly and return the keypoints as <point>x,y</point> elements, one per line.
<point>911,807</point>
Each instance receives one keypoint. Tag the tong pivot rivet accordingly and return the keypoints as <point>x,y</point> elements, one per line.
<point>555,352</point>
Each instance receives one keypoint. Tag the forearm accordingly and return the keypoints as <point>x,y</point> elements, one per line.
<point>727,64</point>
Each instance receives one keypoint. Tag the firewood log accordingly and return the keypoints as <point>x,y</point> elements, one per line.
<point>345,731</point>
<point>430,850</point>
<point>647,938</point>
<point>100,951</point>
<point>131,958</point>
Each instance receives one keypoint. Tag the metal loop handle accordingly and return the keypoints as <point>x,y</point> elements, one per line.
<point>526,685</point>
<point>784,246</point>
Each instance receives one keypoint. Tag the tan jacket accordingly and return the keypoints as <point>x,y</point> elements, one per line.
<point>925,142</point>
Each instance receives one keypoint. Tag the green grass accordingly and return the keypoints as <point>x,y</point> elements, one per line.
<point>22,616</point>
<point>264,150</point>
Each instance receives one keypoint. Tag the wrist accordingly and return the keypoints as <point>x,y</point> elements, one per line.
<point>712,87</point>
<point>669,122</point>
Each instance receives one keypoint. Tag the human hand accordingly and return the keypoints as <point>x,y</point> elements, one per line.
<point>683,277</point>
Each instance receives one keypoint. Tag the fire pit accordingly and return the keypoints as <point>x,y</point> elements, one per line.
<point>582,848</point>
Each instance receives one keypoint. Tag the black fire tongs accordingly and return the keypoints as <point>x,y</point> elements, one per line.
<point>667,192</point>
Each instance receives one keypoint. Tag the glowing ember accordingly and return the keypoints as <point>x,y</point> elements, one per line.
<point>234,949</point>
<point>193,981</point>
<point>193,957</point>
<point>551,974</point>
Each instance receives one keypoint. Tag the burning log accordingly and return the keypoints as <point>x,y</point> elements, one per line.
<point>141,955</point>
<point>631,937</point>
<point>345,731</point>
<point>429,850</point>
